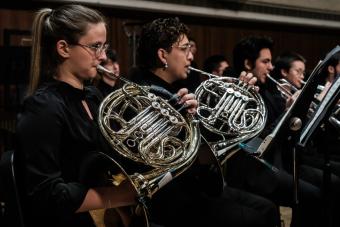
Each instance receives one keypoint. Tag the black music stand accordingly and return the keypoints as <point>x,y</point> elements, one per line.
<point>295,123</point>
<point>321,116</point>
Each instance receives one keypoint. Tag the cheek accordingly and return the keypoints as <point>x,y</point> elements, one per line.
<point>291,77</point>
<point>337,69</point>
<point>82,61</point>
<point>88,71</point>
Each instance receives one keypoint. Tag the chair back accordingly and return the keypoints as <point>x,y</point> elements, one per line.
<point>11,209</point>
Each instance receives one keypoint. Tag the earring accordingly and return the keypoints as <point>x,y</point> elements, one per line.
<point>166,65</point>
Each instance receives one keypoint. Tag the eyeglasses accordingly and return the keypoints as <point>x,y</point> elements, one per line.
<point>299,71</point>
<point>98,48</point>
<point>186,48</point>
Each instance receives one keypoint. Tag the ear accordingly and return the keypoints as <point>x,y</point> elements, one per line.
<point>63,49</point>
<point>284,72</point>
<point>248,65</point>
<point>331,69</point>
<point>162,55</point>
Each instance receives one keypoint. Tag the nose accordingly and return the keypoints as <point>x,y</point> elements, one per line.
<point>270,66</point>
<point>190,56</point>
<point>116,68</point>
<point>102,56</point>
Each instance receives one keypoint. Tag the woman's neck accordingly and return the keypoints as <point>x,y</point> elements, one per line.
<point>67,77</point>
<point>163,74</point>
<point>330,78</point>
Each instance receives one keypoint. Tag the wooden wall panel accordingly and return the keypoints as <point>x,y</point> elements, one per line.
<point>214,39</point>
<point>213,36</point>
<point>15,20</point>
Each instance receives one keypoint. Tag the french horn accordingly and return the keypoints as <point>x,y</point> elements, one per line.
<point>152,143</point>
<point>230,112</point>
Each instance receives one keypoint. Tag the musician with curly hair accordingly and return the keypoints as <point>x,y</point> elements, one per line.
<point>164,57</point>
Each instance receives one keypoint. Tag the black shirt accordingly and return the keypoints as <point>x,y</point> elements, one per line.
<point>54,135</point>
<point>106,89</point>
<point>275,105</point>
<point>145,77</point>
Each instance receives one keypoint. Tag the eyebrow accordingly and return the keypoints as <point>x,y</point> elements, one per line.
<point>187,43</point>
<point>265,59</point>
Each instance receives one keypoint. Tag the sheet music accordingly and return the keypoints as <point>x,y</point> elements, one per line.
<point>268,140</point>
<point>321,111</point>
<point>287,116</point>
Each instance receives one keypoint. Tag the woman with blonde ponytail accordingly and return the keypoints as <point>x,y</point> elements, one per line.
<point>57,130</point>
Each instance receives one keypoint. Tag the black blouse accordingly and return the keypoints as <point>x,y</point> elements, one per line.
<point>54,135</point>
<point>145,77</point>
<point>106,89</point>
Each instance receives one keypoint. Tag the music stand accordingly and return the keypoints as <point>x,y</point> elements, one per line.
<point>324,111</point>
<point>295,123</point>
<point>296,115</point>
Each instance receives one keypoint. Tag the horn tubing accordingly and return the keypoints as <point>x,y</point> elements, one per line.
<point>202,72</point>
<point>111,74</point>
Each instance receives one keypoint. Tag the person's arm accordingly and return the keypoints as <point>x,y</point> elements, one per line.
<point>109,197</point>
<point>39,134</point>
<point>324,91</point>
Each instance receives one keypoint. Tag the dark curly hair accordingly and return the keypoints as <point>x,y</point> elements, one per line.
<point>160,33</point>
<point>249,48</point>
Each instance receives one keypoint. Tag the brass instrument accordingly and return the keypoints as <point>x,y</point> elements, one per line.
<point>285,88</point>
<point>229,111</point>
<point>155,141</point>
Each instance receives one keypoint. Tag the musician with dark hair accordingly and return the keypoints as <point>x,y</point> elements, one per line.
<point>332,68</point>
<point>289,72</point>
<point>164,56</point>
<point>269,180</point>
<point>216,64</point>
<point>291,67</point>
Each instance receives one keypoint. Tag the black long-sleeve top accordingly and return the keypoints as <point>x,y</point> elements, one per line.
<point>275,105</point>
<point>145,77</point>
<point>54,135</point>
<point>106,89</point>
